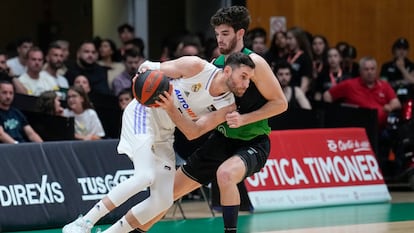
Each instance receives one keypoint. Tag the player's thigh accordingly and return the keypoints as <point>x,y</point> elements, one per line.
<point>183,184</point>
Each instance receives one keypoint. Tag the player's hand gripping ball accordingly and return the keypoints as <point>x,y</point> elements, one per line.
<point>149,85</point>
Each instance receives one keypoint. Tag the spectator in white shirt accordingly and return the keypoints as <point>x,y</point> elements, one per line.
<point>17,64</point>
<point>33,80</point>
<point>54,62</point>
<point>87,123</point>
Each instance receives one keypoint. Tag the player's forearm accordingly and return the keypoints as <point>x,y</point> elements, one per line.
<point>187,126</point>
<point>270,109</point>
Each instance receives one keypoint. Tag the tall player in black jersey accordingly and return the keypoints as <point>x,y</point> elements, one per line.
<point>241,146</point>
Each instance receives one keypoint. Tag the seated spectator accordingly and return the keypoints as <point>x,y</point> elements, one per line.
<point>167,45</point>
<point>87,123</point>
<point>368,91</point>
<point>278,50</point>
<point>54,62</point>
<point>189,45</point>
<point>124,97</point>
<point>82,81</point>
<point>18,64</point>
<point>211,51</point>
<point>136,43</point>
<point>14,127</point>
<point>256,40</point>
<point>320,48</point>
<point>34,80</point>
<point>3,63</point>
<point>400,69</point>
<point>330,76</point>
<point>126,34</point>
<point>86,64</point>
<point>132,60</point>
<point>341,46</point>
<point>109,58</point>
<point>64,45</point>
<point>5,74</point>
<point>300,58</point>
<point>49,103</point>
<point>348,65</point>
<point>294,95</point>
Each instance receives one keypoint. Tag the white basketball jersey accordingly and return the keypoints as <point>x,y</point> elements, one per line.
<point>192,95</point>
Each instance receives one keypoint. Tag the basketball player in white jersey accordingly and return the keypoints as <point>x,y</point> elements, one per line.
<point>202,93</point>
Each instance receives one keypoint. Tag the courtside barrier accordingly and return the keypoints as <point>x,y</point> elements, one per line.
<point>317,167</point>
<point>46,185</point>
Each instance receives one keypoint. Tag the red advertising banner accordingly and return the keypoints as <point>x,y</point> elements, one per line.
<point>318,167</point>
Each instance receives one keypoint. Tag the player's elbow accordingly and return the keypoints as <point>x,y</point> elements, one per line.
<point>193,135</point>
<point>284,105</point>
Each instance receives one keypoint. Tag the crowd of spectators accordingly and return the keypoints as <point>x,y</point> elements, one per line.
<point>95,84</point>
<point>92,87</point>
<point>308,67</point>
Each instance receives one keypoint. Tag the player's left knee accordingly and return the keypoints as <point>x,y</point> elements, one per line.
<point>224,177</point>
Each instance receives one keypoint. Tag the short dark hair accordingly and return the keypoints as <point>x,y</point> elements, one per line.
<point>137,42</point>
<point>349,52</point>
<point>5,81</point>
<point>20,41</point>
<point>33,49</point>
<point>53,45</point>
<point>87,41</point>
<point>257,32</point>
<point>132,53</point>
<point>125,91</point>
<point>127,27</point>
<point>236,59</point>
<point>401,43</point>
<point>2,52</point>
<point>236,17</point>
<point>282,65</point>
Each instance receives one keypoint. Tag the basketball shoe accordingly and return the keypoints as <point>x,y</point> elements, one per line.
<point>78,226</point>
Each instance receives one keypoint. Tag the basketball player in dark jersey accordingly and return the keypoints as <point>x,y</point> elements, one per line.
<point>241,146</point>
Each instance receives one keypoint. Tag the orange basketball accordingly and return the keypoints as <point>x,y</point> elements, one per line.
<point>149,85</point>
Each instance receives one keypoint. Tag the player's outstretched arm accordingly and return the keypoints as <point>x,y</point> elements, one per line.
<point>182,67</point>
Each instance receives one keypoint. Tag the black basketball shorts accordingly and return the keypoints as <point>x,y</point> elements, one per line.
<point>202,165</point>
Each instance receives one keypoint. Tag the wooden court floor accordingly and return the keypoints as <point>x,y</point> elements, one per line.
<point>394,217</point>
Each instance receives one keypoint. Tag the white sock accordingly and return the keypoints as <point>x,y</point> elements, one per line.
<point>97,212</point>
<point>121,226</point>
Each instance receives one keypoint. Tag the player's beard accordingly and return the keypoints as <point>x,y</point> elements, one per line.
<point>230,48</point>
<point>233,88</point>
